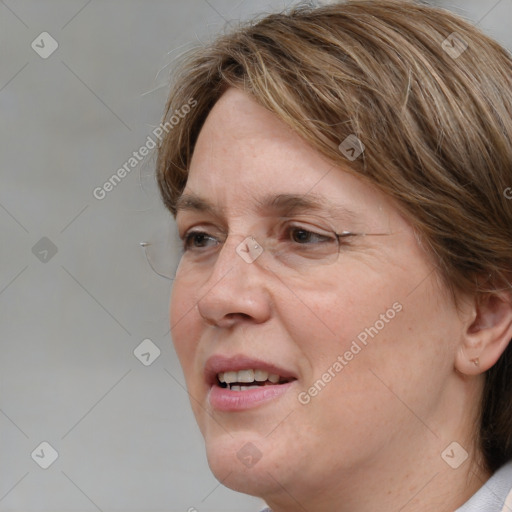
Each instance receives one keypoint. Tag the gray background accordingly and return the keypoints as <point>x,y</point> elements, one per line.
<point>70,321</point>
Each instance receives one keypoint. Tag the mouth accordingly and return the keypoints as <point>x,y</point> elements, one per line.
<point>243,380</point>
<point>239,383</point>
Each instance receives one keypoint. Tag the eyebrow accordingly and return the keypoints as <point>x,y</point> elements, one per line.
<point>277,204</point>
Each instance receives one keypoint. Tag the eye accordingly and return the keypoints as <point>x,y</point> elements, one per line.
<point>198,240</point>
<point>299,243</point>
<point>303,236</point>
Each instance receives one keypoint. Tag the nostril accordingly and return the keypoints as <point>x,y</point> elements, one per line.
<point>234,316</point>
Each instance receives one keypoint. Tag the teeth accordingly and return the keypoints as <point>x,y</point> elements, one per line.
<point>248,376</point>
<point>243,388</point>
<point>245,376</point>
<point>260,375</point>
<point>229,377</point>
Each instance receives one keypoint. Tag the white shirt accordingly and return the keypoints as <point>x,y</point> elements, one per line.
<point>494,496</point>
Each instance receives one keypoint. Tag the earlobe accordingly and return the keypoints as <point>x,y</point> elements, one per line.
<point>487,335</point>
<point>467,362</point>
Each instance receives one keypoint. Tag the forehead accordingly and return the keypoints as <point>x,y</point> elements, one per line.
<point>241,139</point>
<point>247,159</point>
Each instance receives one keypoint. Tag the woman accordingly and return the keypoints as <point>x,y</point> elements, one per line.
<point>342,310</point>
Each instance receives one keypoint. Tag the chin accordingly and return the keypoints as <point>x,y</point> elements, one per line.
<point>240,463</point>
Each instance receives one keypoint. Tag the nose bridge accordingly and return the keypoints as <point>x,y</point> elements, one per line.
<point>234,289</point>
<point>238,252</point>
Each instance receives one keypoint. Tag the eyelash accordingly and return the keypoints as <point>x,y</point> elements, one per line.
<point>188,237</point>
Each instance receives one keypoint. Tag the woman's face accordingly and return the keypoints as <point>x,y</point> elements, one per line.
<point>366,341</point>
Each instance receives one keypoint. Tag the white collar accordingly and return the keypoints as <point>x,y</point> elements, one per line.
<point>495,495</point>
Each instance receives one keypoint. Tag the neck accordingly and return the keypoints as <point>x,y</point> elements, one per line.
<point>433,486</point>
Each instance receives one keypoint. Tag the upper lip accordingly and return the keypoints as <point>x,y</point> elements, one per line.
<point>219,363</point>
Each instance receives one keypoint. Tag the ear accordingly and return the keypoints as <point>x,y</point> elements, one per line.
<point>487,334</point>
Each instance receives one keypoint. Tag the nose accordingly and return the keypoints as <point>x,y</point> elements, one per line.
<point>236,289</point>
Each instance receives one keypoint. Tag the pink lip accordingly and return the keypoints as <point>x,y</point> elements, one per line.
<point>223,399</point>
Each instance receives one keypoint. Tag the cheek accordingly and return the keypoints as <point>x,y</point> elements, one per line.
<point>325,315</point>
<point>184,330</point>
<point>359,334</point>
<point>402,367</point>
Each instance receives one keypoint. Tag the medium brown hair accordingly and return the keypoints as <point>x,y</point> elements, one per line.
<point>435,120</point>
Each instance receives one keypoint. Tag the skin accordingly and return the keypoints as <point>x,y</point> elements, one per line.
<point>372,438</point>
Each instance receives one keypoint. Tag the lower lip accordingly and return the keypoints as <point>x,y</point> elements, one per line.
<point>222,399</point>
